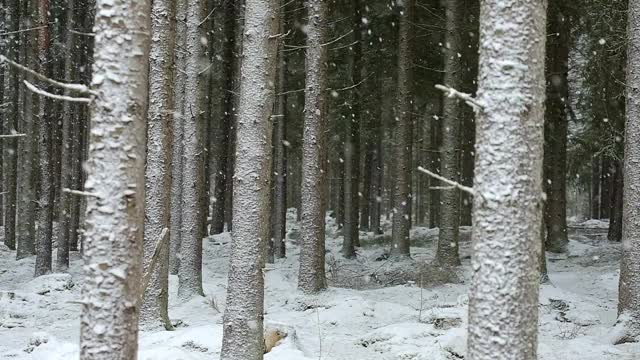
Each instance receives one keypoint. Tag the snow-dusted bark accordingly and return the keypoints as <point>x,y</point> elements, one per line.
<point>115,210</point>
<point>629,295</point>
<point>153,312</point>
<point>311,277</point>
<point>402,158</point>
<point>243,318</point>
<point>192,222</point>
<point>447,253</point>
<point>503,301</point>
<point>46,187</point>
<point>177,157</point>
<point>9,126</point>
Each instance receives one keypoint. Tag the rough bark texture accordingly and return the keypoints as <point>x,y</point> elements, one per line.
<point>3,46</point>
<point>503,302</point>
<point>629,288</point>
<point>192,229</point>
<point>556,127</point>
<point>178,135</point>
<point>617,195</point>
<point>46,183</point>
<point>243,318</point>
<point>401,197</point>
<point>10,125</point>
<point>153,312</point>
<point>115,214</point>
<point>311,278</point>
<point>279,210</point>
<point>447,252</point>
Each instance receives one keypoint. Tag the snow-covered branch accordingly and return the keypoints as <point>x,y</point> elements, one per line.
<point>80,88</point>
<point>467,98</point>
<point>447,181</point>
<point>11,136</point>
<point>80,193</point>
<point>54,96</point>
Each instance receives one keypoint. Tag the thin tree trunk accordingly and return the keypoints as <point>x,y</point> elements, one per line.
<point>154,312</point>
<point>447,251</point>
<point>508,204</point>
<point>3,67</point>
<point>243,318</point>
<point>556,127</point>
<point>115,213</point>
<point>311,278</point>
<point>605,187</point>
<point>46,134</point>
<point>401,197</point>
<point>190,267</point>
<point>595,188</point>
<point>178,135</point>
<point>615,223</point>
<point>10,146</point>
<point>629,288</point>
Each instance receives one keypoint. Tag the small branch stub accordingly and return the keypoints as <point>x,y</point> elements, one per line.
<point>467,98</point>
<point>447,181</point>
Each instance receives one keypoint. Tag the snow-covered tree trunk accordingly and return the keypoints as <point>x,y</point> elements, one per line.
<point>46,185</point>
<point>10,126</point>
<point>629,288</point>
<point>153,312</point>
<point>447,252</point>
<point>243,318</point>
<point>177,157</point>
<point>401,224</point>
<point>503,301</point>
<point>311,277</point>
<point>115,209</point>
<point>192,222</point>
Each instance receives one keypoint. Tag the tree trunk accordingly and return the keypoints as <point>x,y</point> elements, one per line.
<point>10,126</point>
<point>27,146</point>
<point>279,217</point>
<point>311,278</point>
<point>153,312</point>
<point>595,188</point>
<point>447,252</point>
<point>243,318</point>
<point>556,127</point>
<point>605,187</point>
<point>508,182</point>
<point>177,155</point>
<point>190,267</point>
<point>615,222</point>
<point>46,134</point>
<point>115,212</point>
<point>629,288</point>
<point>226,120</point>
<point>3,67</point>
<point>401,198</point>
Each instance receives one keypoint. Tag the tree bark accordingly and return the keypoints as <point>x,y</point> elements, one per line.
<point>508,182</point>
<point>10,126</point>
<point>556,127</point>
<point>629,288</point>
<point>615,221</point>
<point>401,198</point>
<point>311,277</point>
<point>115,212</point>
<point>154,309</point>
<point>595,188</point>
<point>243,318</point>
<point>449,233</point>
<point>190,266</point>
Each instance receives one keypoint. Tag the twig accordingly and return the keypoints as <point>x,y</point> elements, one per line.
<point>207,17</point>
<point>54,96</point>
<point>81,33</point>
<point>80,193</point>
<point>23,30</point>
<point>447,181</point>
<point>277,36</point>
<point>10,136</point>
<point>72,87</point>
<point>467,98</point>
<point>354,85</point>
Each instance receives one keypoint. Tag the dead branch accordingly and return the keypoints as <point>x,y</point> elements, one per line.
<point>467,98</point>
<point>54,96</point>
<point>447,181</point>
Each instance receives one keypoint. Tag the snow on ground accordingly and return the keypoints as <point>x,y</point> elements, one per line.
<point>384,315</point>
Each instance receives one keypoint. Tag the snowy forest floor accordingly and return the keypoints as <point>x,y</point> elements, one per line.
<point>383,314</point>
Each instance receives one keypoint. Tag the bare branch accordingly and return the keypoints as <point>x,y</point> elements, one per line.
<point>81,33</point>
<point>467,98</point>
<point>447,181</point>
<point>22,30</point>
<point>54,96</point>
<point>83,89</point>
<point>10,136</point>
<point>80,193</point>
